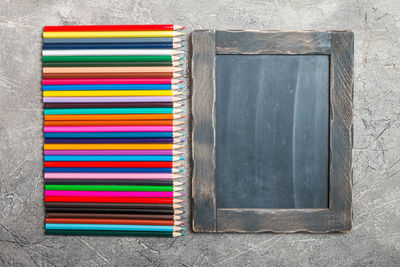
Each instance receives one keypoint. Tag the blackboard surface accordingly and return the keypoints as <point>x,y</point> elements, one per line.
<point>272,131</point>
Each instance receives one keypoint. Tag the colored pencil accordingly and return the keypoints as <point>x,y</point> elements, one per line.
<point>110,194</point>
<point>111,46</point>
<point>133,40</point>
<point>113,182</point>
<point>115,164</point>
<point>87,87</point>
<point>112,128</point>
<point>112,227</point>
<point>111,34</point>
<point>116,117</point>
<point>111,99</point>
<point>110,140</point>
<point>112,93</point>
<point>110,63</point>
<point>112,221</point>
<point>112,123</point>
<point>110,81</point>
<point>66,175</point>
<point>103,58</point>
<point>112,52</point>
<point>116,211</point>
<point>95,205</point>
<point>111,233</point>
<point>138,158</point>
<point>112,152</point>
<point>73,111</point>
<point>114,105</point>
<point>74,70</point>
<point>107,188</point>
<point>138,200</point>
<point>111,170</point>
<point>111,75</point>
<point>85,28</point>
<point>113,216</point>
<point>112,134</point>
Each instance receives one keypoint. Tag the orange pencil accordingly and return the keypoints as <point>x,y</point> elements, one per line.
<point>101,117</point>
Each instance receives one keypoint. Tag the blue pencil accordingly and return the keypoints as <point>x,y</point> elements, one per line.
<point>87,87</point>
<point>111,158</point>
<point>109,135</point>
<point>108,170</point>
<point>76,111</point>
<point>78,226</point>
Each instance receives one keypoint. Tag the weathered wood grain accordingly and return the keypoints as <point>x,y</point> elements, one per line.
<point>341,166</point>
<point>338,217</point>
<point>273,42</point>
<point>203,131</point>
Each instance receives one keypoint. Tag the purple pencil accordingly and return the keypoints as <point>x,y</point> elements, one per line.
<point>48,193</point>
<point>111,99</point>
<point>113,152</point>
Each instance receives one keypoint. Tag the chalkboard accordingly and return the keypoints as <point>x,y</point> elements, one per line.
<point>272,131</point>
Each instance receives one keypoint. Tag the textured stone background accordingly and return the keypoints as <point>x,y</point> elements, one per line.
<point>375,239</point>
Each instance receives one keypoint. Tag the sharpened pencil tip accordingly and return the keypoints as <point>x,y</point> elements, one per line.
<point>181,158</point>
<point>181,170</point>
<point>181,86</point>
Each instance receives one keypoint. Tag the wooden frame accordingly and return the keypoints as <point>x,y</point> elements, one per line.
<point>206,44</point>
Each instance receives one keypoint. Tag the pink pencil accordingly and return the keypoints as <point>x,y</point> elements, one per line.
<point>52,129</point>
<point>109,81</point>
<point>55,193</point>
<point>88,175</point>
<point>111,152</point>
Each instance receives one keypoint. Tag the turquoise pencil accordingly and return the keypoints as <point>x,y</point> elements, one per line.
<point>116,227</point>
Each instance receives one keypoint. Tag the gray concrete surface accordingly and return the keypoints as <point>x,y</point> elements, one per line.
<point>376,235</point>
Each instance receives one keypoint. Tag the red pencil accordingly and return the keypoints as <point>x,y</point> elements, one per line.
<point>111,199</point>
<point>91,28</point>
<point>110,164</point>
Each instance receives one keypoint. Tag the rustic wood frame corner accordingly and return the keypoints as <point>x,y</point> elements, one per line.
<point>339,45</point>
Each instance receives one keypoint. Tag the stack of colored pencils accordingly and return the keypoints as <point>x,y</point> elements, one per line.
<point>112,130</point>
